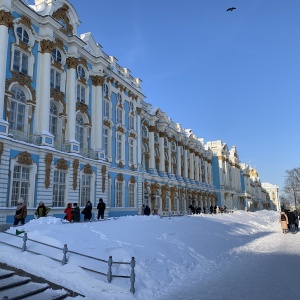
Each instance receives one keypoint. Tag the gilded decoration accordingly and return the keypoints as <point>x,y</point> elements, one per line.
<point>173,191</point>
<point>103,171</point>
<point>132,135</point>
<point>132,179</point>
<point>145,123</point>
<point>56,64</point>
<point>120,105</point>
<point>6,19</point>
<point>75,166</point>
<point>61,14</point>
<point>24,46</point>
<point>139,110</point>
<point>22,80</point>
<point>164,190</point>
<point>120,177</point>
<point>62,164</point>
<point>97,80</point>
<point>46,46</point>
<point>147,156</point>
<point>57,95</point>
<point>83,61</point>
<point>154,190</point>
<point>60,44</point>
<point>132,168</point>
<point>83,108</point>
<point>107,123</point>
<point>179,143</point>
<point>120,165</point>
<point>1,150</point>
<point>121,129</point>
<point>26,22</point>
<point>24,158</point>
<point>153,129</point>
<point>82,80</point>
<point>72,62</point>
<point>163,134</point>
<point>48,160</point>
<point>87,169</point>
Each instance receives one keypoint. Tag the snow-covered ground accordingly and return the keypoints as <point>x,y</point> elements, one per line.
<point>229,256</point>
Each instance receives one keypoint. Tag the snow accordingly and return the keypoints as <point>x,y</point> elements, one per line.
<point>225,256</point>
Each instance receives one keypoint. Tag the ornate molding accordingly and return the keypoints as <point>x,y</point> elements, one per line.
<point>121,129</point>
<point>72,62</point>
<point>60,44</point>
<point>132,135</point>
<point>75,166</point>
<point>61,14</point>
<point>83,108</point>
<point>47,46</point>
<point>153,129</point>
<point>97,80</point>
<point>120,177</point>
<point>48,160</point>
<point>62,164</point>
<point>87,169</point>
<point>103,171</point>
<point>132,179</point>
<point>163,134</point>
<point>1,150</point>
<point>107,123</point>
<point>120,165</point>
<point>24,158</point>
<point>6,19</point>
<point>132,168</point>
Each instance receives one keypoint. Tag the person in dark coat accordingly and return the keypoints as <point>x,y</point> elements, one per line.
<point>87,211</point>
<point>292,221</point>
<point>101,208</point>
<point>21,213</point>
<point>42,210</point>
<point>76,213</point>
<point>68,212</point>
<point>211,209</point>
<point>147,210</point>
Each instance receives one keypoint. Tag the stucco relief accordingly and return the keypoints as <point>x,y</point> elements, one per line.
<point>48,160</point>
<point>72,62</point>
<point>97,80</point>
<point>47,46</point>
<point>6,19</point>
<point>87,169</point>
<point>61,14</point>
<point>62,164</point>
<point>24,158</point>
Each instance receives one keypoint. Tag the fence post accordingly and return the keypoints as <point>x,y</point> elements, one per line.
<point>109,272</point>
<point>65,251</point>
<point>132,275</point>
<point>24,242</point>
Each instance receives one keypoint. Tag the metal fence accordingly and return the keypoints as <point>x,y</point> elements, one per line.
<point>109,274</point>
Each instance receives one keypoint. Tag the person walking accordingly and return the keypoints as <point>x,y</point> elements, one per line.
<point>21,213</point>
<point>143,210</point>
<point>284,221</point>
<point>296,220</point>
<point>68,212</point>
<point>76,213</point>
<point>101,208</point>
<point>292,220</point>
<point>87,211</point>
<point>42,210</point>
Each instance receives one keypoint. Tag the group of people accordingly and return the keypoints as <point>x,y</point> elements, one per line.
<point>289,221</point>
<point>212,209</point>
<point>145,210</point>
<point>72,211</point>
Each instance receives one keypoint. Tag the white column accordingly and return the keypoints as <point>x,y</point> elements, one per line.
<point>71,99</point>
<point>192,174</point>
<point>5,23</point>
<point>97,123</point>
<point>178,160</point>
<point>197,167</point>
<point>161,153</point>
<point>152,150</point>
<point>185,154</point>
<point>170,158</point>
<point>139,138</point>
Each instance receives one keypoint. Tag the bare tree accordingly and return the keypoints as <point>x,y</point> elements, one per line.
<point>292,186</point>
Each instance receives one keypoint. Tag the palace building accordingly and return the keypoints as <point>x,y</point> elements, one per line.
<point>74,126</point>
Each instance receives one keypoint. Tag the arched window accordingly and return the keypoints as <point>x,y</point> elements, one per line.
<point>144,131</point>
<point>81,72</point>
<point>79,134</point>
<point>53,120</point>
<point>20,61</point>
<point>80,93</point>
<point>105,89</point>
<point>23,35</point>
<point>55,79</point>
<point>56,55</point>
<point>17,109</point>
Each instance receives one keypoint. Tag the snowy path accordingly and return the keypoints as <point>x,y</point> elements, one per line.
<point>265,269</point>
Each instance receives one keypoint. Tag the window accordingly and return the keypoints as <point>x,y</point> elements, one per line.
<point>106,109</point>
<point>119,194</point>
<point>23,35</point>
<point>59,186</point>
<point>81,72</point>
<point>20,184</point>
<point>131,152</point>
<point>79,134</point>
<point>119,146</point>
<point>105,89</point>
<point>55,79</point>
<point>173,147</point>
<point>56,55</point>
<point>85,189</point>
<point>166,142</point>
<point>144,131</point>
<point>53,118</point>
<point>20,62</point>
<point>131,122</point>
<point>156,137</point>
<point>119,116</point>
<point>80,93</point>
<point>167,204</point>
<point>131,196</point>
<point>106,141</point>
<point>17,109</point>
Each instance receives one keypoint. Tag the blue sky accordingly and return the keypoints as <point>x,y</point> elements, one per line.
<point>230,76</point>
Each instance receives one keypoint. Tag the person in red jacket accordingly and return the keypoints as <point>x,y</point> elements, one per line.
<point>68,212</point>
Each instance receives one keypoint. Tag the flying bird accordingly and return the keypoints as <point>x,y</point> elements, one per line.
<point>230,9</point>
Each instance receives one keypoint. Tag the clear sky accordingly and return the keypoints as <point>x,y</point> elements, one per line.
<point>230,76</point>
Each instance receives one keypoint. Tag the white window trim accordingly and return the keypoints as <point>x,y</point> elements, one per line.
<point>135,194</point>
<point>134,152</point>
<point>32,180</point>
<point>109,150</point>
<point>122,148</point>
<point>93,185</point>
<point>31,60</point>
<point>123,193</point>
